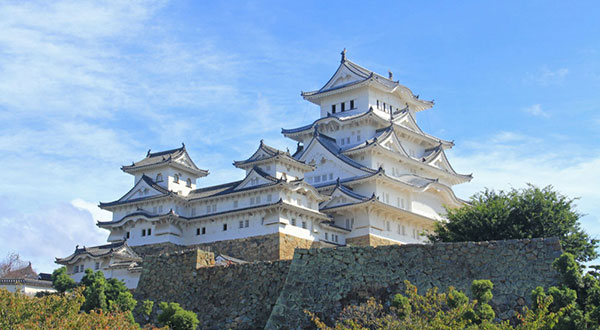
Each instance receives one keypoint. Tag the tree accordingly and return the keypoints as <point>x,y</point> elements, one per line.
<point>61,281</point>
<point>519,213</point>
<point>108,295</point>
<point>177,318</point>
<point>11,262</point>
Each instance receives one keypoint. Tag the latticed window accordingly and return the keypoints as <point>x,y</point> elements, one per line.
<point>176,178</point>
<point>159,177</point>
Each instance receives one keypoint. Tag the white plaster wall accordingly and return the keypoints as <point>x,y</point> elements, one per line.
<point>26,289</point>
<point>360,97</point>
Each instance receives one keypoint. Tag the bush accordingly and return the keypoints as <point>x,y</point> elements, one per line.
<point>433,311</point>
<point>61,281</point>
<point>177,318</point>
<point>58,311</point>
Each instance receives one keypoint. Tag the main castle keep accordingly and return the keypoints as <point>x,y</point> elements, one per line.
<point>363,174</point>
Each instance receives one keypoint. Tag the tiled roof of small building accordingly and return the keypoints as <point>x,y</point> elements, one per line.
<point>163,157</point>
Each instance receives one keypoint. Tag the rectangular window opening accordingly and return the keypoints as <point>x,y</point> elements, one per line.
<point>247,223</point>
<point>343,106</point>
<point>351,104</point>
<point>203,230</point>
<point>143,232</point>
<point>333,108</point>
<point>224,227</point>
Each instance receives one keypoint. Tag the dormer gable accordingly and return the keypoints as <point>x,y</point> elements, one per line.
<point>145,188</point>
<point>256,177</point>
<point>175,158</point>
<point>342,195</point>
<point>275,163</point>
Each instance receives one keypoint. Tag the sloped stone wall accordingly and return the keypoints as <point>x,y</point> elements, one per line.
<point>236,297</point>
<point>274,294</point>
<point>325,280</point>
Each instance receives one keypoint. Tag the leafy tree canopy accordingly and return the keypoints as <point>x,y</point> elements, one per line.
<point>61,281</point>
<point>519,213</point>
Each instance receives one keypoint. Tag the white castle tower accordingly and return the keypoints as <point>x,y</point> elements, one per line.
<point>387,179</point>
<point>364,173</point>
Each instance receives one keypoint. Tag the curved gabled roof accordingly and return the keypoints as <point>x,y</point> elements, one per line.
<point>265,153</point>
<point>154,159</point>
<point>102,250</point>
<point>162,192</point>
<point>364,76</point>
<point>330,145</point>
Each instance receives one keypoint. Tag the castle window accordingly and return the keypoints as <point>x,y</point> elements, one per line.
<point>127,235</point>
<point>351,104</point>
<point>387,226</point>
<point>293,222</point>
<point>348,140</point>
<point>224,227</point>
<point>384,107</point>
<point>176,178</point>
<point>188,183</point>
<point>159,177</point>
<point>235,204</point>
<point>241,223</point>
<point>154,210</point>
<point>330,176</point>
<point>399,229</point>
<point>203,230</point>
<point>197,231</point>
<point>326,237</point>
<point>207,208</point>
<point>257,199</point>
<point>343,106</point>
<point>251,200</point>
<point>377,104</point>
<point>143,232</point>
<point>324,177</point>
<point>247,223</point>
<point>403,231</point>
<point>149,231</point>
<point>304,224</point>
<point>333,108</point>
<point>214,208</point>
<point>97,266</point>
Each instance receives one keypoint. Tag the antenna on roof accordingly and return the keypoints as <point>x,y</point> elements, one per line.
<point>343,55</point>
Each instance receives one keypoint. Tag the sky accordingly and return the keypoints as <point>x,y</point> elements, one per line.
<point>87,86</point>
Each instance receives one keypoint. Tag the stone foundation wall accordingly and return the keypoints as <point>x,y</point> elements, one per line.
<point>370,240</point>
<point>274,294</point>
<point>258,248</point>
<point>232,297</point>
<point>325,280</point>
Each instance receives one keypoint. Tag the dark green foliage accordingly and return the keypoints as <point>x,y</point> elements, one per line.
<point>146,307</point>
<point>108,295</point>
<point>434,311</point>
<point>526,213</point>
<point>176,317</point>
<point>579,295</point>
<point>61,281</point>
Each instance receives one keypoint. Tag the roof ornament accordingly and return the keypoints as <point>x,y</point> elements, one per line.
<point>390,75</point>
<point>148,154</point>
<point>77,247</point>
<point>337,182</point>
<point>343,55</point>
<point>182,145</point>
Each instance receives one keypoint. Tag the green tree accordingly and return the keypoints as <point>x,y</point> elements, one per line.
<point>519,213</point>
<point>108,295</point>
<point>61,281</point>
<point>176,317</point>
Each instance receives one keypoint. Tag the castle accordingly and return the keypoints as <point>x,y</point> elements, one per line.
<point>364,173</point>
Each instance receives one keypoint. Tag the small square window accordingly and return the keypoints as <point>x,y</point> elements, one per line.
<point>224,227</point>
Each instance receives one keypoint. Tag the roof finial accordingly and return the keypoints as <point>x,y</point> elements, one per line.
<point>390,74</point>
<point>148,154</point>
<point>262,142</point>
<point>343,55</point>
<point>182,145</point>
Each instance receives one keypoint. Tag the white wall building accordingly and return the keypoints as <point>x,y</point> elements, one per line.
<point>364,173</point>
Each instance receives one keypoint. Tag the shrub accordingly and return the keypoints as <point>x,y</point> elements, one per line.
<point>175,317</point>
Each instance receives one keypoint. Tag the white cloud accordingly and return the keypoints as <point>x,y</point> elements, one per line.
<point>97,213</point>
<point>546,76</point>
<point>48,232</point>
<point>536,110</point>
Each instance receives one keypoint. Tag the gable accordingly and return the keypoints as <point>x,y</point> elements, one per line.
<point>409,122</point>
<point>392,143</point>
<point>142,189</point>
<point>253,179</point>
<point>338,197</point>
<point>316,154</point>
<point>343,76</point>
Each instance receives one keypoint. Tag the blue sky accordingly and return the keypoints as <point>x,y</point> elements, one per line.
<point>89,86</point>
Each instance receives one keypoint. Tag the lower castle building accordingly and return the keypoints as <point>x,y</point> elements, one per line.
<point>364,173</point>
